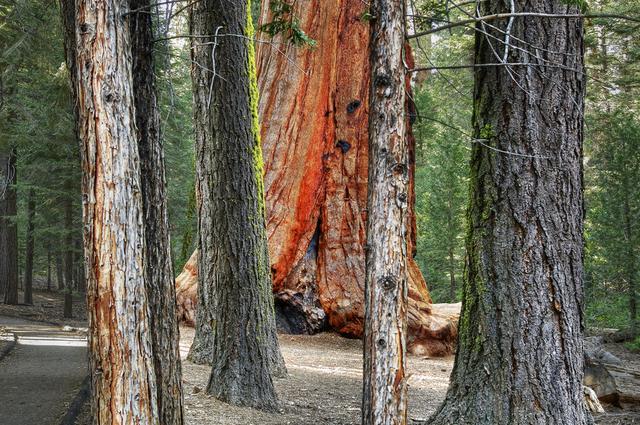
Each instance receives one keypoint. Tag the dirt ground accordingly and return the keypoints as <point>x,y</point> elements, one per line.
<point>323,386</point>
<point>48,306</point>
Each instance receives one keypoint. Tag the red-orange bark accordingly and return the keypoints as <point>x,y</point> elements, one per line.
<point>314,115</point>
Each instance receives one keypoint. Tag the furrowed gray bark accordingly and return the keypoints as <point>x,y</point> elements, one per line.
<point>520,352</point>
<point>8,227</point>
<point>159,279</point>
<point>386,290</point>
<point>235,328</point>
<point>121,365</point>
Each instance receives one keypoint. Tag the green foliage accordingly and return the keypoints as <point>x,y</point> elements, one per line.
<point>284,21</point>
<point>443,149</point>
<point>634,345</point>
<point>582,4</point>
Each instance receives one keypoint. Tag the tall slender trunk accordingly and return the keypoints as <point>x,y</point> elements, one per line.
<point>159,279</point>
<point>68,258</point>
<point>59,272</point>
<point>453,287</point>
<point>48,268</point>
<point>8,227</point>
<point>28,256</point>
<point>386,288</point>
<point>520,351</point>
<point>630,263</point>
<point>121,356</point>
<point>233,266</point>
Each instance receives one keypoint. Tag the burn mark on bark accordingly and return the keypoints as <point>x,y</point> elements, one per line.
<point>343,145</point>
<point>353,106</point>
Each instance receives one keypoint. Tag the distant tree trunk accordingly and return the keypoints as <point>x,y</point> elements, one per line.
<point>234,278</point>
<point>386,289</point>
<point>520,351</point>
<point>68,14</point>
<point>8,227</point>
<point>631,261</point>
<point>48,268</point>
<point>68,259</point>
<point>159,278</point>
<point>453,287</point>
<point>121,355</point>
<point>28,262</point>
<point>59,272</point>
<point>81,285</point>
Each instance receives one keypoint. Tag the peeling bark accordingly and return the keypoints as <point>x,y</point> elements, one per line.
<point>121,366</point>
<point>384,400</point>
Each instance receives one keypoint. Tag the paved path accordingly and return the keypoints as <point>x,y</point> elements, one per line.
<point>41,375</point>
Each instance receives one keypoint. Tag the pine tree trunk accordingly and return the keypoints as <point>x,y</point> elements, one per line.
<point>520,352</point>
<point>452,276</point>
<point>8,227</point>
<point>234,280</point>
<point>386,290</point>
<point>68,259</point>
<point>28,257</point>
<point>59,272</point>
<point>159,277</point>
<point>48,268</point>
<point>630,263</point>
<point>121,355</point>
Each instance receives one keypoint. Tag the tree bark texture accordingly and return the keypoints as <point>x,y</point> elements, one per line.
<point>121,358</point>
<point>314,111</point>
<point>237,312</point>
<point>520,353</point>
<point>159,279</point>
<point>384,400</point>
<point>28,256</point>
<point>8,227</point>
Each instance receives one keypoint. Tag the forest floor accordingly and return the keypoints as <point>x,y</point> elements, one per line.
<point>323,385</point>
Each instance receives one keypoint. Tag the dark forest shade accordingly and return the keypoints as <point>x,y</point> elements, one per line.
<point>520,354</point>
<point>235,329</point>
<point>159,281</point>
<point>8,227</point>
<point>28,256</point>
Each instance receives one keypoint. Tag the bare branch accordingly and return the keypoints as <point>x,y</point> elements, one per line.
<point>522,14</point>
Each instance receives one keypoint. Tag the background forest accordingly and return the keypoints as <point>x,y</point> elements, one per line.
<point>36,119</point>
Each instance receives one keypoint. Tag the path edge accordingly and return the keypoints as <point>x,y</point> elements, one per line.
<point>4,352</point>
<point>75,407</point>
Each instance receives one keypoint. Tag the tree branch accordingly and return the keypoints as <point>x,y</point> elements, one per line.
<point>521,14</point>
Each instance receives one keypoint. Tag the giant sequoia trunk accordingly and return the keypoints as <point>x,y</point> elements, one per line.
<point>121,358</point>
<point>158,266</point>
<point>384,400</point>
<point>8,228</point>
<point>235,329</point>
<point>314,111</point>
<point>520,354</point>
